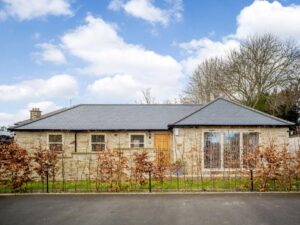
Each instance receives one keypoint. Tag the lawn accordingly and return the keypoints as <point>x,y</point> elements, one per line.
<point>188,184</point>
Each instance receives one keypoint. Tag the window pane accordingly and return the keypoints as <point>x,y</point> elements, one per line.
<point>98,147</point>
<point>231,150</point>
<point>137,145</point>
<point>212,150</point>
<point>137,141</point>
<point>98,138</point>
<point>250,143</point>
<point>55,138</point>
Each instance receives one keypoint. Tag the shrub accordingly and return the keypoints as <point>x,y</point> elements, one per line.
<point>43,158</point>
<point>111,167</point>
<point>15,167</point>
<point>160,167</point>
<point>142,166</point>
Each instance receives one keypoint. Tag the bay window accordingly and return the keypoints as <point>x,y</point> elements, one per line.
<point>225,150</point>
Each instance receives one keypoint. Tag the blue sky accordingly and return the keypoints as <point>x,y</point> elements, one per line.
<point>108,51</point>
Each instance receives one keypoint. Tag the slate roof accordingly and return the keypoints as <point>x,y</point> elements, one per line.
<point>110,117</point>
<point>227,113</point>
<point>43,116</point>
<point>220,112</point>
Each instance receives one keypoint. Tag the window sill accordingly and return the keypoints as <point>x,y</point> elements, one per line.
<point>85,153</point>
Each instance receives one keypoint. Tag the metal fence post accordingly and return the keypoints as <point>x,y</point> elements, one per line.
<point>251,178</point>
<point>47,177</point>
<point>177,178</point>
<point>150,190</point>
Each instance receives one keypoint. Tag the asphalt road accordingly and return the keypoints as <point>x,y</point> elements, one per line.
<point>241,209</point>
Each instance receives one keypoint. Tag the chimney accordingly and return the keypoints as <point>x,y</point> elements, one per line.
<point>35,113</point>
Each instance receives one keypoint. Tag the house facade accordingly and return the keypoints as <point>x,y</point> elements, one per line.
<point>215,136</point>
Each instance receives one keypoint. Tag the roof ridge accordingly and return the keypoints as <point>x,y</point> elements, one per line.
<point>260,112</point>
<point>45,117</point>
<point>188,115</point>
<point>131,104</point>
<point>63,110</point>
<point>237,104</point>
<point>42,116</point>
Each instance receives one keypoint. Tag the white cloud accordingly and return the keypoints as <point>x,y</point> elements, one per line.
<point>116,4</point>
<point>146,10</point>
<point>63,86</point>
<point>269,17</point>
<point>125,88</point>
<point>51,53</point>
<point>258,18</point>
<point>27,10</point>
<point>115,87</point>
<point>8,119</point>
<point>108,55</point>
<point>201,49</point>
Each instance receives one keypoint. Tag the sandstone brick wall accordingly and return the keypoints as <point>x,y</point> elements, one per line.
<point>114,140</point>
<point>186,145</point>
<point>82,163</point>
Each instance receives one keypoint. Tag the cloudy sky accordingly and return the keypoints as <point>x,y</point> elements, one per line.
<point>60,52</point>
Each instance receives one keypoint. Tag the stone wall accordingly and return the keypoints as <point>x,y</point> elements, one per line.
<point>186,145</point>
<point>80,161</point>
<point>113,140</point>
<point>294,144</point>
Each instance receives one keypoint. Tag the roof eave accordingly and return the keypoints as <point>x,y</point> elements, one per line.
<point>85,130</point>
<point>285,122</point>
<point>203,125</point>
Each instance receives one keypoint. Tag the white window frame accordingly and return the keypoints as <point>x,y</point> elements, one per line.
<point>91,143</point>
<point>242,143</point>
<point>62,141</point>
<point>221,150</point>
<point>240,148</point>
<point>222,132</point>
<point>141,134</point>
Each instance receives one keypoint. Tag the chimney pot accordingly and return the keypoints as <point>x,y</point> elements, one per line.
<point>35,113</point>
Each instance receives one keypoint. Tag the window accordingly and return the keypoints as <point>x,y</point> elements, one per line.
<point>250,143</point>
<point>55,142</point>
<point>231,154</point>
<point>98,142</point>
<point>232,149</point>
<point>137,141</point>
<point>212,150</point>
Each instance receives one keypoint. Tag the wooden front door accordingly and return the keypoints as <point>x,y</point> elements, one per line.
<point>162,147</point>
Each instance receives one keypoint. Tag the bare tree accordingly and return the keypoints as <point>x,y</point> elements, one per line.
<point>148,98</point>
<point>261,65</point>
<point>203,85</point>
<point>172,101</point>
<point>286,103</point>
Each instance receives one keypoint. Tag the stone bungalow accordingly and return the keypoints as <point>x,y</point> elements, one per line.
<point>186,132</point>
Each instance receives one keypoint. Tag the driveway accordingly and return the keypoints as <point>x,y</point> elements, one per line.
<point>170,209</point>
